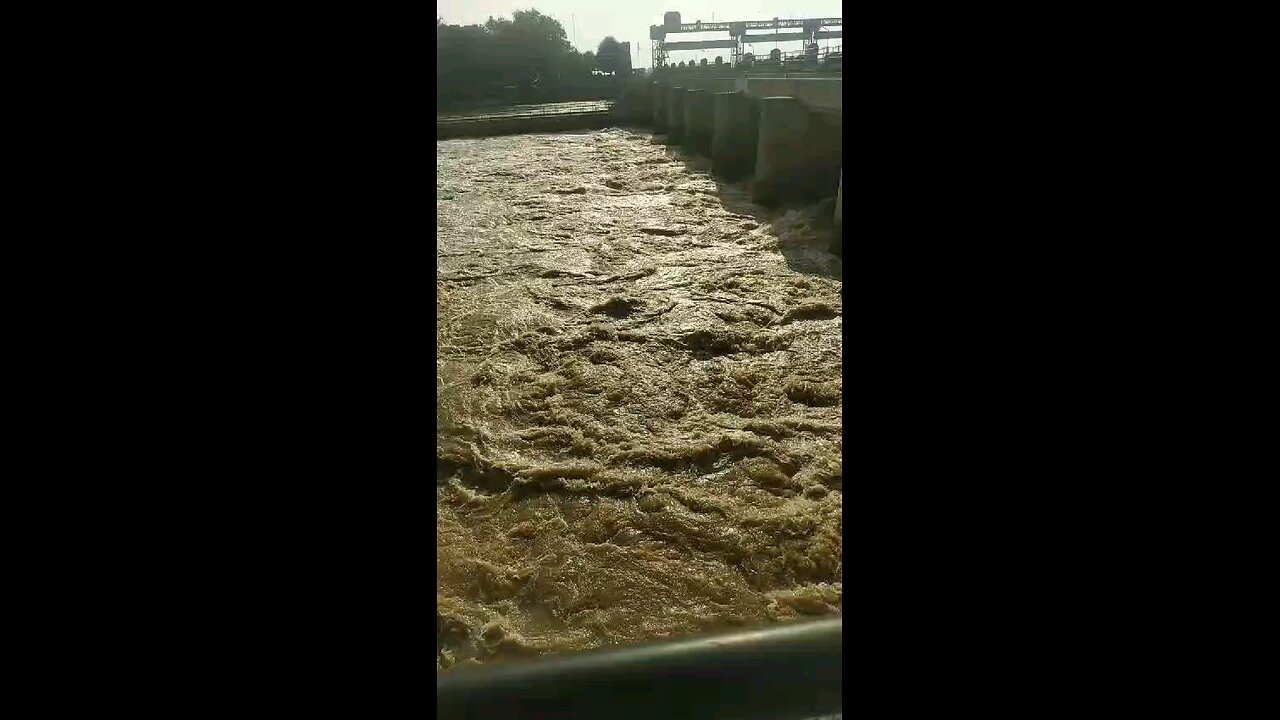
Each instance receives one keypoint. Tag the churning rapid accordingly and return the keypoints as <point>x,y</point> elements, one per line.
<point>638,425</point>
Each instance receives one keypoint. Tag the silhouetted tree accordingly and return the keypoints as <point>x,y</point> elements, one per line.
<point>530,43</point>
<point>703,63</point>
<point>529,50</point>
<point>607,54</point>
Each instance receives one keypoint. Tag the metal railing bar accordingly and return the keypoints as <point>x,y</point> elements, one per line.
<point>781,672</point>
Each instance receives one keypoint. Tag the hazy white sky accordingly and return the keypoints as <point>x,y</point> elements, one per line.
<point>629,20</point>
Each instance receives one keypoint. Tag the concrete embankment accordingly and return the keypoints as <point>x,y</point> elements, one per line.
<point>557,117</point>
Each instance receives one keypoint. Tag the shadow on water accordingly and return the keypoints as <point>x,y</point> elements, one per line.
<point>810,255</point>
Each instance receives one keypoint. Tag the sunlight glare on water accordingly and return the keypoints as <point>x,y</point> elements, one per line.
<point>639,399</point>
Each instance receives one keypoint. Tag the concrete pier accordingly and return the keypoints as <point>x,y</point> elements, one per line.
<point>699,121</point>
<point>798,155</point>
<point>640,108</point>
<point>780,133</point>
<point>837,242</point>
<point>780,152</point>
<point>632,106</point>
<point>658,95</point>
<point>675,115</point>
<point>733,139</point>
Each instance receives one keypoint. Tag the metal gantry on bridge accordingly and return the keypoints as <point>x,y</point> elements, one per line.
<point>808,30</point>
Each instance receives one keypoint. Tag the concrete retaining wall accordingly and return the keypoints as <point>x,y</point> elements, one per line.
<point>517,125</point>
<point>818,94</point>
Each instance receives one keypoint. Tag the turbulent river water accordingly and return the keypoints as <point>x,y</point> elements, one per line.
<point>639,399</point>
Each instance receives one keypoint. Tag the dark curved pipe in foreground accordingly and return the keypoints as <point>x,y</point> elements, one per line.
<point>780,672</point>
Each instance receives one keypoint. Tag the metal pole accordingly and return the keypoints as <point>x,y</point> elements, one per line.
<point>781,672</point>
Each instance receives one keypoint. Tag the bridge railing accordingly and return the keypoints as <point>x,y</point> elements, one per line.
<point>777,672</point>
<point>826,59</point>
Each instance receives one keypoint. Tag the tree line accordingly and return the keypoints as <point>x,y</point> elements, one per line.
<point>527,58</point>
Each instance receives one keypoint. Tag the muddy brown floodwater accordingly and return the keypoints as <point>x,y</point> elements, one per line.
<point>638,427</point>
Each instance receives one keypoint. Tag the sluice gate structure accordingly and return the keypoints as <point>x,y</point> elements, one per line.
<point>780,134</point>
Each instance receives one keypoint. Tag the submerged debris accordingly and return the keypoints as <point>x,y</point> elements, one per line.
<point>618,307</point>
<point>665,231</point>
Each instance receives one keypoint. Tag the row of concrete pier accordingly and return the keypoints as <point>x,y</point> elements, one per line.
<point>783,135</point>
